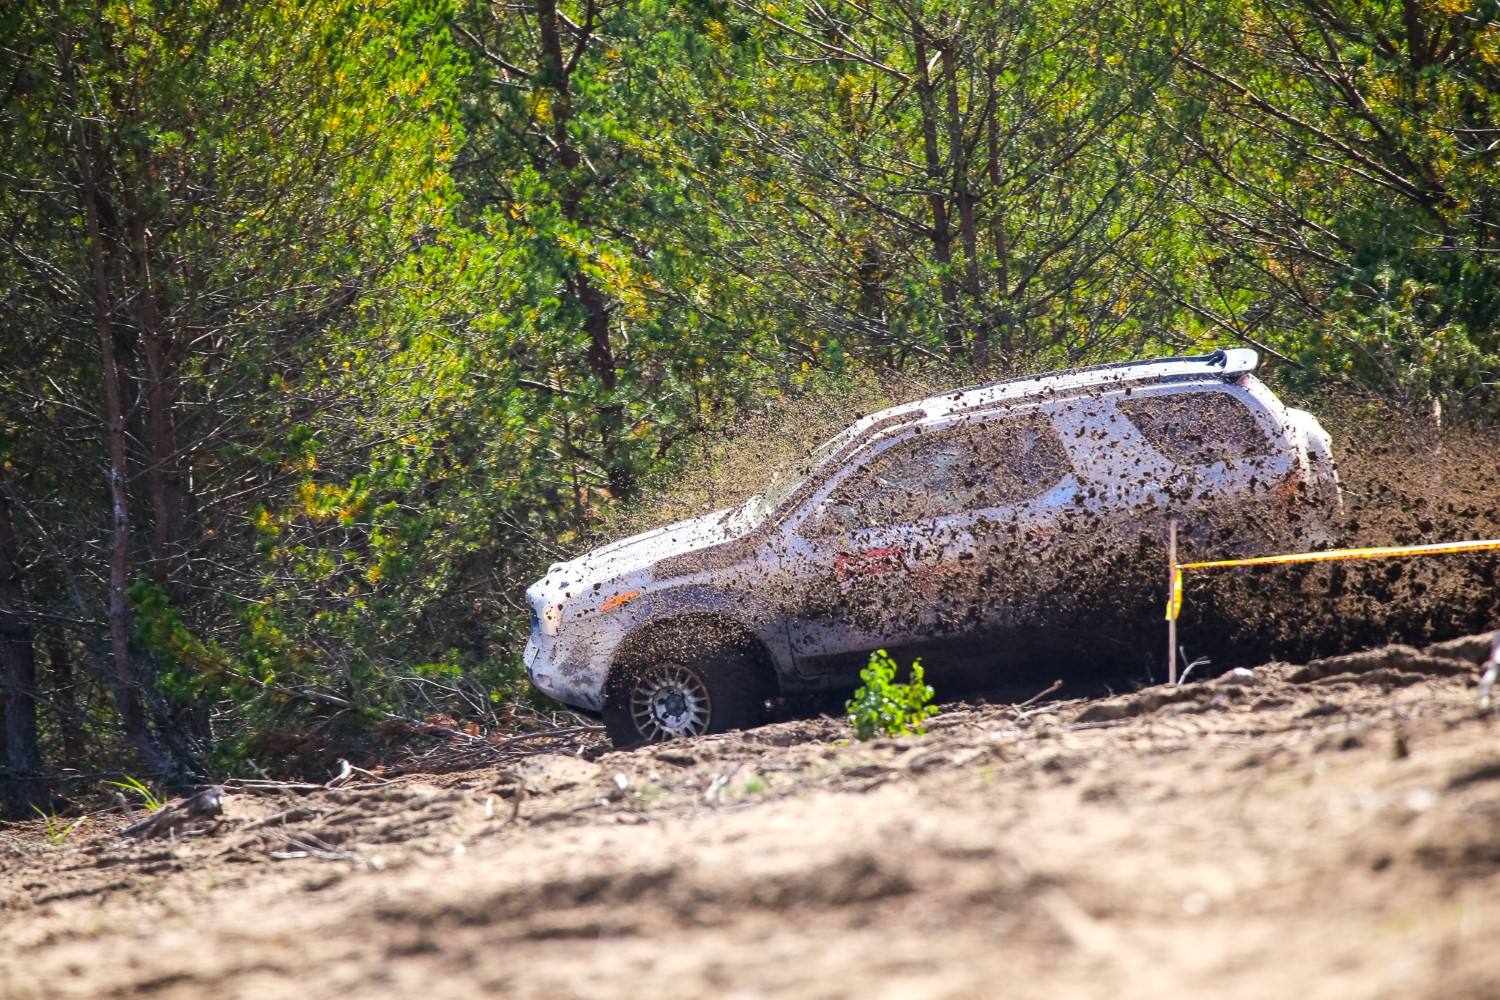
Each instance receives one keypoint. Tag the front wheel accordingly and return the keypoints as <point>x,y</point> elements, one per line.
<point>666,698</point>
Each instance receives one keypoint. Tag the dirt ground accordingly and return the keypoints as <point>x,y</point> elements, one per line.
<point>1331,830</point>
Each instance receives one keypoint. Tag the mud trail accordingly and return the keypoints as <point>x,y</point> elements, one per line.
<point>1324,830</point>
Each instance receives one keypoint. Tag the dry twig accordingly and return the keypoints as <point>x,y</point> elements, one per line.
<point>1039,695</point>
<point>294,815</point>
<point>305,845</point>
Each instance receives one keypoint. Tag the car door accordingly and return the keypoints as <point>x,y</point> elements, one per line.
<point>929,538</point>
<point>1019,508</point>
<point>865,544</point>
<point>1124,483</point>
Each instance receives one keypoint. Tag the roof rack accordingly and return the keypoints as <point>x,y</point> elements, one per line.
<point>1235,361</point>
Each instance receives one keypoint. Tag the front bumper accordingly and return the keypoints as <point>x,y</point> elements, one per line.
<point>565,671</point>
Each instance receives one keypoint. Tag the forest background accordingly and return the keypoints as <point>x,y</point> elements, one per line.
<point>325,325</point>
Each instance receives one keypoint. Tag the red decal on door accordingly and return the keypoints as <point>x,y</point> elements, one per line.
<point>870,562</point>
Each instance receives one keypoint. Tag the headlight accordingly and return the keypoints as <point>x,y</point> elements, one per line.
<point>552,619</point>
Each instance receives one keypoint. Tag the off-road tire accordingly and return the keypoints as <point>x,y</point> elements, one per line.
<point>731,678</point>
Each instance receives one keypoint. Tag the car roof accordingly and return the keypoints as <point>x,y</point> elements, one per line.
<point>1223,365</point>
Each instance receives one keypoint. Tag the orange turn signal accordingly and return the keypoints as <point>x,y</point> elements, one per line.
<point>619,599</point>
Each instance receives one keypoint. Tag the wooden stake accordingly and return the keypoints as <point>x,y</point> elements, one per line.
<point>1171,621</point>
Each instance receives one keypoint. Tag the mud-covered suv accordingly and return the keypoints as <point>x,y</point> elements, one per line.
<point>948,528</point>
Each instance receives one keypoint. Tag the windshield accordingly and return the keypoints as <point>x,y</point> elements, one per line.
<point>786,481</point>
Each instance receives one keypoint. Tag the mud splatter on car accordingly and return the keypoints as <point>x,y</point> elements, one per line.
<point>959,527</point>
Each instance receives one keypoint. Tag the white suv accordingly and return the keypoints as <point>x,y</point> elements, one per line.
<point>945,528</point>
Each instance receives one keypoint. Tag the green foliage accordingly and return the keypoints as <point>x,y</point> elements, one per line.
<point>881,705</point>
<point>151,800</point>
<point>411,299</point>
<point>957,179</point>
<point>56,832</point>
<point>1340,196</point>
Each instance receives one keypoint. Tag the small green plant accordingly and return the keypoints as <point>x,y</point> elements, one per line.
<point>149,798</point>
<point>883,706</point>
<point>56,832</point>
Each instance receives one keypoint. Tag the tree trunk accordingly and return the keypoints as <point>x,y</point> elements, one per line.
<point>942,237</point>
<point>601,359</point>
<point>23,757</point>
<point>1418,46</point>
<point>62,682</point>
<point>963,200</point>
<point>555,68</point>
<point>1004,316</point>
<point>163,478</point>
<point>597,308</point>
<point>127,686</point>
<point>18,655</point>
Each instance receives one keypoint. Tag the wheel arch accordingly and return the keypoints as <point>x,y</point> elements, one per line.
<point>688,634</point>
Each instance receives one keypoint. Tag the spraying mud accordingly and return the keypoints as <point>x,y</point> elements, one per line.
<point>1404,484</point>
<point>1099,626</point>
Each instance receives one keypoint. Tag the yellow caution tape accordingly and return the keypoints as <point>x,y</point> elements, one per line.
<point>1332,555</point>
<point>1174,599</point>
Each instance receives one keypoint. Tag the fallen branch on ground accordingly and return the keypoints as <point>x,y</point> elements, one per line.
<point>1039,695</point>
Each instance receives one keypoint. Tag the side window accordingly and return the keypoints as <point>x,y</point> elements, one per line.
<point>1197,428</point>
<point>904,483</point>
<point>969,467</point>
<point>1019,458</point>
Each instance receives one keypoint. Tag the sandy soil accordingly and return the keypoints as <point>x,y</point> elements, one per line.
<point>1322,831</point>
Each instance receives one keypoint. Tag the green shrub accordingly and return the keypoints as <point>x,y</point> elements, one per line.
<point>883,706</point>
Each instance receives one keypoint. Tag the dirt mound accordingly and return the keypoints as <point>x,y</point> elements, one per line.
<point>1324,830</point>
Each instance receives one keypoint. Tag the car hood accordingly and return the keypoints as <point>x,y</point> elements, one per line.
<point>628,556</point>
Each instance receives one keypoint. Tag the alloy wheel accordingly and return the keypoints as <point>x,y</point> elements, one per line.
<point>668,701</point>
